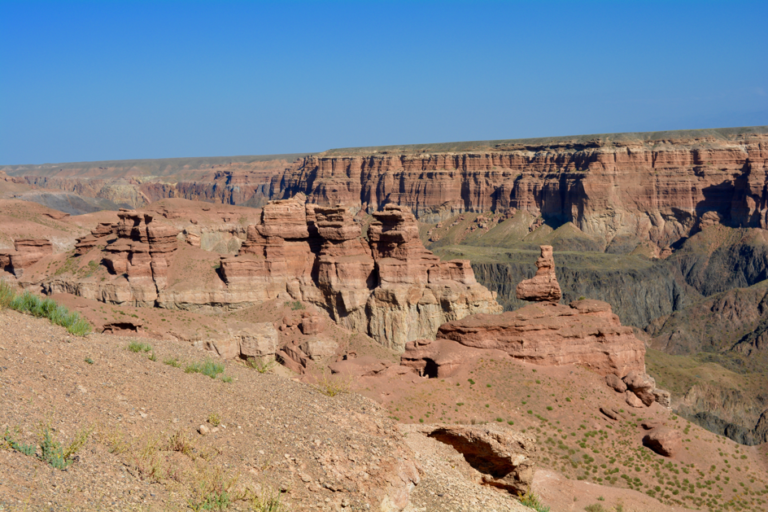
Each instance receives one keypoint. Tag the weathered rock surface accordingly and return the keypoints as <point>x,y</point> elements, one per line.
<point>27,252</point>
<point>391,288</point>
<point>585,332</point>
<point>616,383</point>
<point>664,441</point>
<point>656,188</point>
<point>542,287</point>
<point>503,457</point>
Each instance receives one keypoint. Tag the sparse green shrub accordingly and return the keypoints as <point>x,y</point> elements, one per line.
<point>136,346</point>
<point>208,367</point>
<point>31,304</point>
<point>259,365</point>
<point>27,449</point>
<point>173,361</point>
<point>596,507</point>
<point>530,500</point>
<point>51,451</point>
<point>267,501</point>
<point>227,378</point>
<point>152,357</point>
<point>295,305</point>
<point>6,294</point>
<point>89,360</point>
<point>332,385</point>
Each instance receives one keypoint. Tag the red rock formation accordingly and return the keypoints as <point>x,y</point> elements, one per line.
<point>26,253</point>
<point>655,189</point>
<point>393,288</point>
<point>543,286</point>
<point>664,441</point>
<point>142,252</point>
<point>585,332</point>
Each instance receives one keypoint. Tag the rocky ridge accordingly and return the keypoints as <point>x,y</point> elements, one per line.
<point>389,287</point>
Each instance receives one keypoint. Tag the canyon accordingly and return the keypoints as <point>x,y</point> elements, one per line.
<point>636,262</point>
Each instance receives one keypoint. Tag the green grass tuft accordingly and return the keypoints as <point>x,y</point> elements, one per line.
<point>208,367</point>
<point>135,346</point>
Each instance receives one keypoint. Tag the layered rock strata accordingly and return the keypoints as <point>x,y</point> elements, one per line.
<point>655,188</point>
<point>27,252</point>
<point>389,287</point>
<point>585,332</point>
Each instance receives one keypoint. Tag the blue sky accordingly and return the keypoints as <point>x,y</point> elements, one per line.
<point>116,80</point>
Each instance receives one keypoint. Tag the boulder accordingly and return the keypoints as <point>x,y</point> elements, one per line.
<point>503,457</point>
<point>543,287</point>
<point>610,412</point>
<point>616,383</point>
<point>319,348</point>
<point>259,342</point>
<point>633,400</point>
<point>311,324</point>
<point>664,441</point>
<point>641,384</point>
<point>663,397</point>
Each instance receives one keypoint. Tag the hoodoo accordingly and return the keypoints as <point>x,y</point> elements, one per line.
<point>584,332</point>
<point>543,286</point>
<point>389,286</point>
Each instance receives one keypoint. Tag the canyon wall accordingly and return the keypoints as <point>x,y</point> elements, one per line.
<point>657,187</point>
<point>657,190</point>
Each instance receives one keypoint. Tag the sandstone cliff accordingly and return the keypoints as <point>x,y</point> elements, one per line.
<point>655,189</point>
<point>389,287</point>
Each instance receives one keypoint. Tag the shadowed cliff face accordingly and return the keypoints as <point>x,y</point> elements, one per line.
<point>657,190</point>
<point>654,187</point>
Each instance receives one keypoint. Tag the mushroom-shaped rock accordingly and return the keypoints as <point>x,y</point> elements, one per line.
<point>543,287</point>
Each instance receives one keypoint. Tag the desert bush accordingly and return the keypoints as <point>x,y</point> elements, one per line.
<point>52,452</point>
<point>212,490</point>
<point>259,365</point>
<point>268,500</point>
<point>173,361</point>
<point>136,346</point>
<point>596,507</point>
<point>214,419</point>
<point>7,294</point>
<point>332,385</point>
<point>180,442</point>
<point>31,304</point>
<point>295,305</point>
<point>208,367</point>
<point>530,500</point>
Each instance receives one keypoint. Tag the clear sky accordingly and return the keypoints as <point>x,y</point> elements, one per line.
<point>117,80</point>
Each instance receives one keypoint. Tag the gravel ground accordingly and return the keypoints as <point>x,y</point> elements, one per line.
<point>324,453</point>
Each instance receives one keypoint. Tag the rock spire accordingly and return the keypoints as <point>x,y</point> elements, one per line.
<point>542,287</point>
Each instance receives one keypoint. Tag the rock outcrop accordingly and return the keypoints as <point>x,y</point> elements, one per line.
<point>664,441</point>
<point>655,187</point>
<point>543,286</point>
<point>388,286</point>
<point>585,333</point>
<point>503,457</point>
<point>27,252</point>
